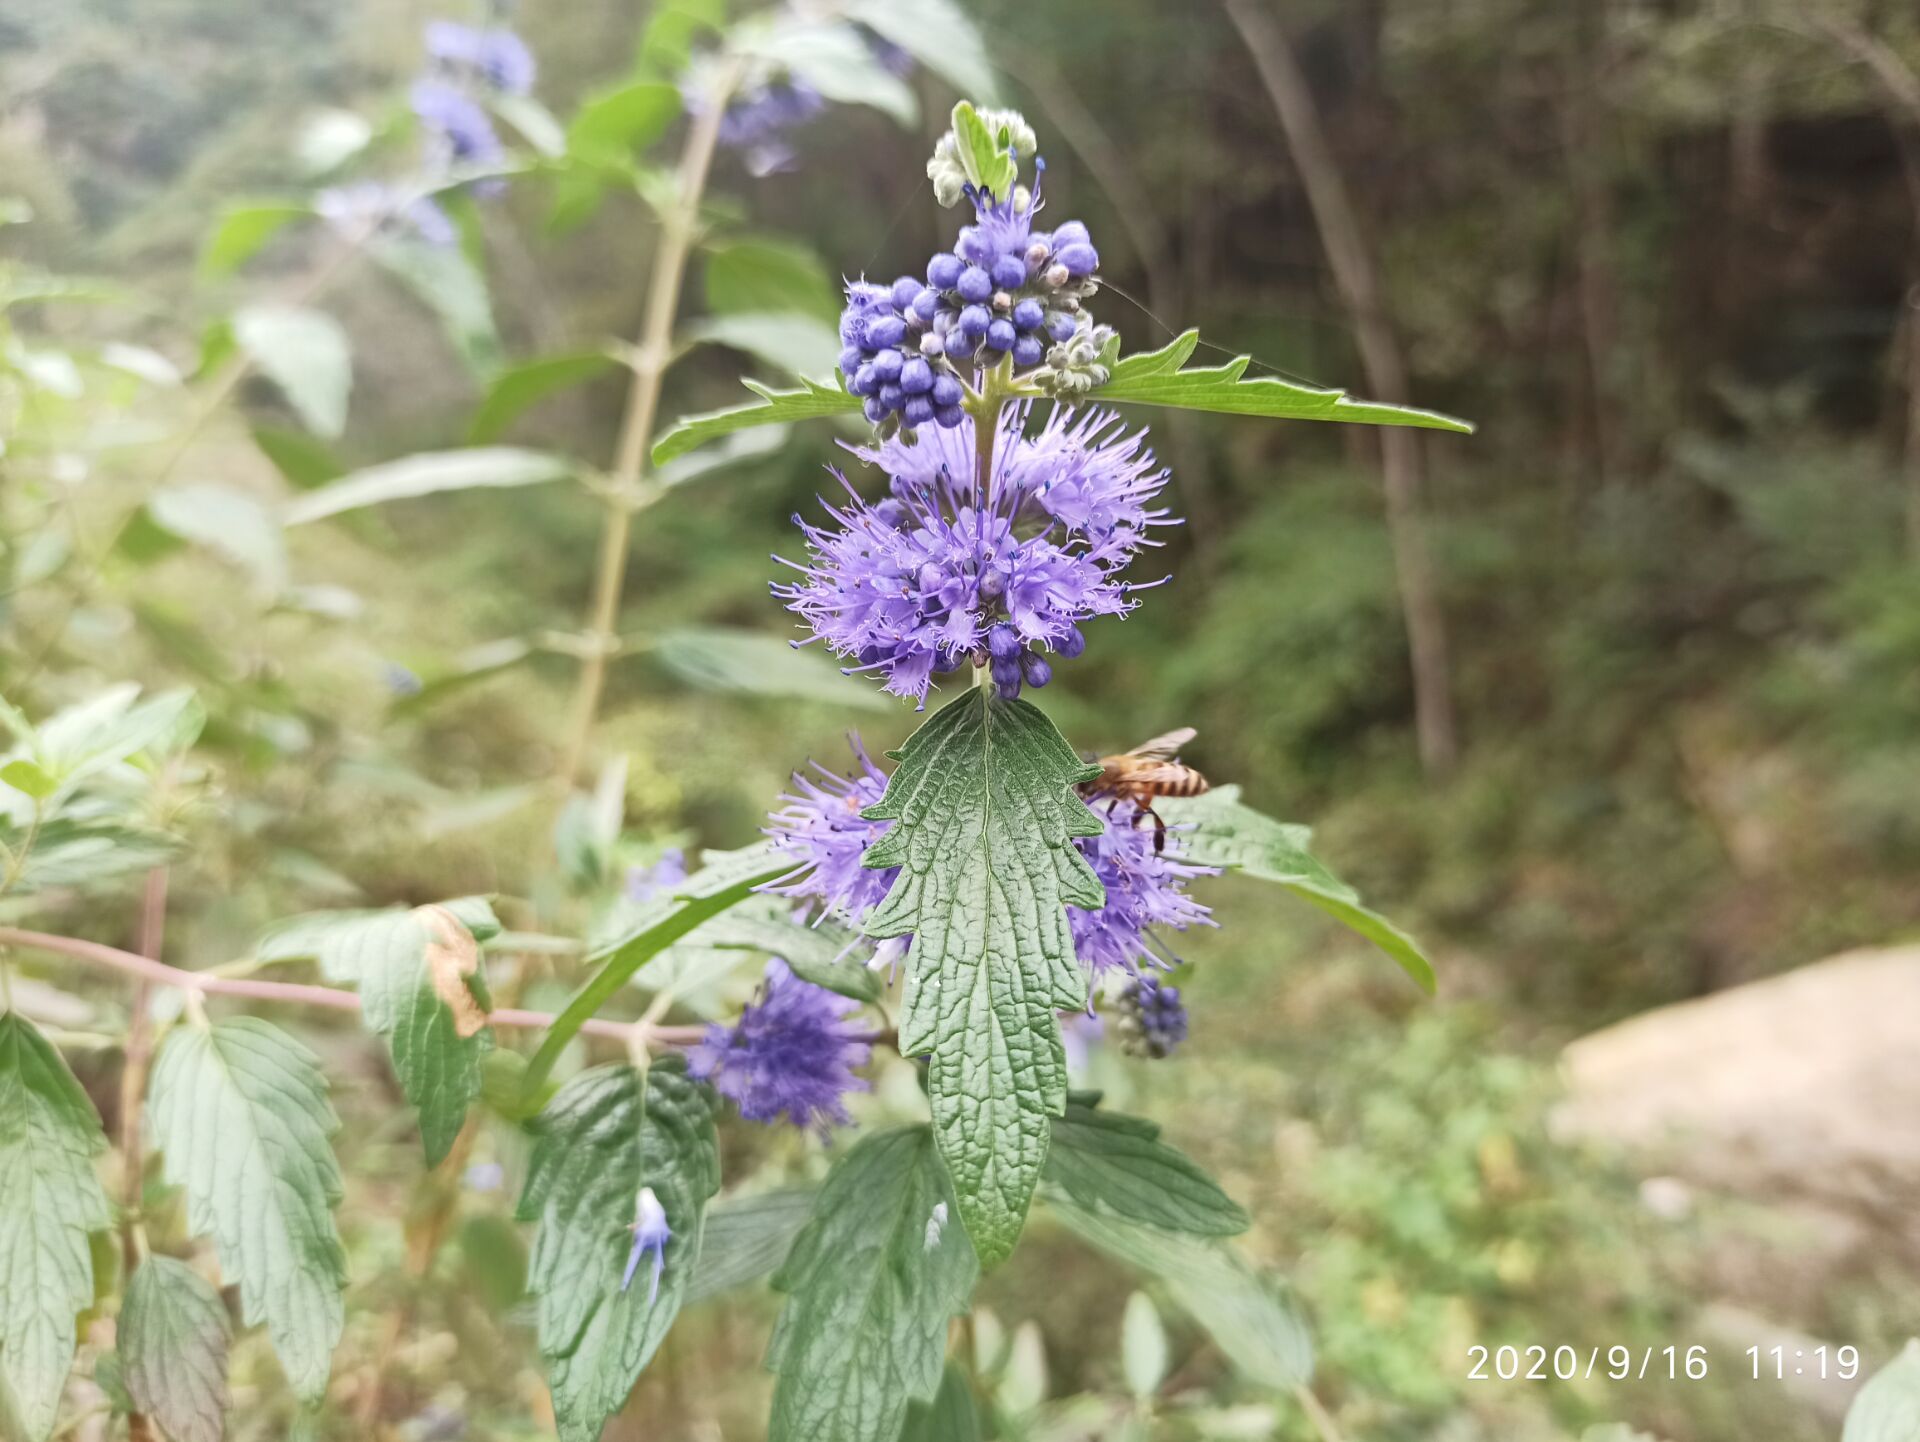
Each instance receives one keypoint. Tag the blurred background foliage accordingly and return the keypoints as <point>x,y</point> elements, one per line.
<point>1662,253</point>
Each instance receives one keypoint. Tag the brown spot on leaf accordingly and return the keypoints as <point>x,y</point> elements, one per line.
<point>452,956</point>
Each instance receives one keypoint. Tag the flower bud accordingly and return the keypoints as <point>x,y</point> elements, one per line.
<point>943,271</point>
<point>1057,275</point>
<point>1009,272</point>
<point>905,290</point>
<point>975,285</point>
<point>1000,335</point>
<point>916,377</point>
<point>1035,669</point>
<point>887,365</point>
<point>1071,644</point>
<point>1003,642</point>
<point>1029,314</point>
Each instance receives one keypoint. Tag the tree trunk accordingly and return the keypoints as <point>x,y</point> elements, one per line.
<point>1357,276</point>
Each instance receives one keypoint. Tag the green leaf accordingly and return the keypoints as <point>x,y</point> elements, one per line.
<point>532,120</point>
<point>988,163</point>
<point>733,451</point>
<point>1244,1312</point>
<point>605,1135</point>
<point>229,522</point>
<point>708,892</point>
<point>1143,1346</point>
<point>766,274</point>
<point>240,1110</point>
<point>611,126</point>
<point>718,658</point>
<point>937,33</point>
<point>300,458</point>
<point>417,973</point>
<point>747,1238</point>
<point>427,474</point>
<point>816,954</point>
<point>1226,833</point>
<point>950,1417</point>
<point>107,728</point>
<point>242,229</point>
<point>1106,1161</point>
<point>449,283</point>
<point>49,1201</point>
<point>1155,378</point>
<point>518,387</point>
<point>985,817</point>
<point>787,340</point>
<point>812,401</point>
<point>24,776</point>
<point>1887,1409</point>
<point>304,353</point>
<point>871,1284</point>
<point>173,1340</point>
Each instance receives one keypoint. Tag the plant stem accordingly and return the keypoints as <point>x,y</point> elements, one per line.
<point>624,494</point>
<point>133,1089</point>
<point>200,983</point>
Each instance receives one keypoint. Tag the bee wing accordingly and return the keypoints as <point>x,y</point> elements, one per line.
<point>1164,748</point>
<point>1158,773</point>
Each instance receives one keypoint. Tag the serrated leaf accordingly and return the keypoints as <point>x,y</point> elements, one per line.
<point>606,1134</point>
<point>517,387</point>
<point>49,1201</point>
<point>747,1238</point>
<point>242,229</point>
<point>1228,834</point>
<point>722,658</point>
<point>1887,1409</point>
<point>984,817</point>
<point>1106,1161</point>
<point>173,1340</point>
<point>417,973</point>
<point>1243,1311</point>
<point>427,474</point>
<point>951,1416</point>
<point>304,353</point>
<point>937,33</point>
<point>812,401</point>
<point>1155,378</point>
<point>240,1110</point>
<point>871,1284</point>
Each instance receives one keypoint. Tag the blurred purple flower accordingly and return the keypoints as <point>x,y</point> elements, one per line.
<point>459,126</point>
<point>647,883</point>
<point>366,206</point>
<point>792,1053</point>
<point>497,58</point>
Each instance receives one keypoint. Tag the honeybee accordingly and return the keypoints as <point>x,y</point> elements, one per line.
<point>1150,769</point>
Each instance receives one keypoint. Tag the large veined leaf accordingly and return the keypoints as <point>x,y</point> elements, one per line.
<point>606,1134</point>
<point>871,1285</point>
<point>1245,1313</point>
<point>240,1110</point>
<point>173,1341</point>
<point>49,1201</point>
<point>939,35</point>
<point>1106,1161</point>
<point>304,353</point>
<point>421,987</point>
<point>1887,1409</point>
<point>747,1238</point>
<point>1155,378</point>
<point>812,401</point>
<point>480,467</point>
<point>984,817</point>
<point>1226,833</point>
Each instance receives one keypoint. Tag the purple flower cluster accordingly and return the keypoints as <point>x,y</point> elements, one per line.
<point>937,574</point>
<point>497,59</point>
<point>649,883</point>
<point>757,120</point>
<point>1005,289</point>
<point>792,1053</point>
<point>821,828</point>
<point>1153,1019</point>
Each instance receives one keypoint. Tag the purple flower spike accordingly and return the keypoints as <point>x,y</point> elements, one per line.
<point>792,1054</point>
<point>497,58</point>
<point>1145,890</point>
<point>820,828</point>
<point>459,125</point>
<point>650,1234</point>
<point>906,595</point>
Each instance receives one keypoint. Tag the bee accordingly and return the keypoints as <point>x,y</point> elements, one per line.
<point>1150,769</point>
